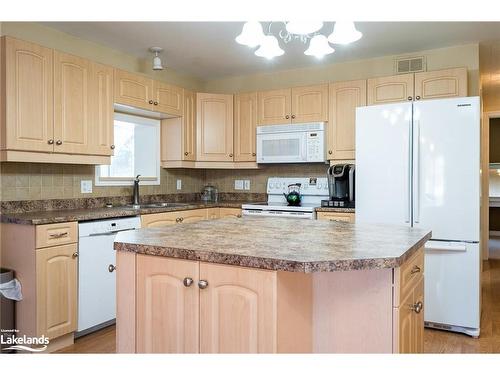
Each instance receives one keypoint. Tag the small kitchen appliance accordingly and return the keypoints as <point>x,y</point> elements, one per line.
<point>210,194</point>
<point>341,179</point>
<point>312,191</point>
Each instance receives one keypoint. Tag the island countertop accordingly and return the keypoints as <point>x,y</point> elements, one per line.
<point>280,244</point>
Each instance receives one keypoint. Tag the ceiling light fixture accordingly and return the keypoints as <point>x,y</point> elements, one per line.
<point>156,59</point>
<point>252,35</point>
<point>344,32</point>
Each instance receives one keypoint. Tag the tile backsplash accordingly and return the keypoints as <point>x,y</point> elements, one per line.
<point>33,181</point>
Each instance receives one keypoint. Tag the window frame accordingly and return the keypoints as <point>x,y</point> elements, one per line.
<point>129,181</point>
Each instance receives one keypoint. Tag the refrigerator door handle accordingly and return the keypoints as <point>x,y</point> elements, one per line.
<point>408,190</point>
<point>416,175</point>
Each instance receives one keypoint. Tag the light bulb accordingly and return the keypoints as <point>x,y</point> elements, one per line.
<point>269,48</point>
<point>344,32</point>
<point>157,63</point>
<point>303,27</point>
<point>319,47</point>
<point>251,35</point>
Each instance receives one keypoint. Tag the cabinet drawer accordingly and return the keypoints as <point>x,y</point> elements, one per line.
<point>408,275</point>
<point>336,216</point>
<point>174,217</point>
<point>56,234</point>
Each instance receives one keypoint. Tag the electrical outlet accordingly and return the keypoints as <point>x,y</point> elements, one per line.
<point>86,186</point>
<point>179,184</point>
<point>247,184</point>
<point>238,184</point>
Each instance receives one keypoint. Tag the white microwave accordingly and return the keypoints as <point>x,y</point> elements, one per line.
<point>294,143</point>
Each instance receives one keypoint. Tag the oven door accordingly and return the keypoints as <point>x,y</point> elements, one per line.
<point>282,147</point>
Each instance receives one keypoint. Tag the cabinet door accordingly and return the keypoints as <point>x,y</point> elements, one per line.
<point>274,107</point>
<point>344,97</point>
<point>29,121</point>
<point>245,123</point>
<point>133,90</point>
<point>405,323</point>
<point>71,104</point>
<point>214,127</point>
<point>237,310</point>
<point>391,89</point>
<point>56,277</point>
<point>167,98</point>
<point>102,111</point>
<point>213,213</point>
<point>336,216</point>
<point>192,216</point>
<point>189,126</point>
<point>441,84</point>
<point>167,309</point>
<point>310,103</point>
<point>230,212</point>
<point>418,319</point>
<point>159,220</point>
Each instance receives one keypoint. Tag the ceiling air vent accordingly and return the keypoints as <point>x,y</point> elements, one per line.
<point>410,64</point>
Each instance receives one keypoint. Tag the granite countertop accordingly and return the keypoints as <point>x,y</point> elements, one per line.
<point>83,214</point>
<point>280,244</point>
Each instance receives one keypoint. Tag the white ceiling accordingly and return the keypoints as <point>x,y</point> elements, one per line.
<point>207,49</point>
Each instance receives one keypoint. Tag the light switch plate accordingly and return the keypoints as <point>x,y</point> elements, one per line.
<point>179,184</point>
<point>238,184</point>
<point>247,184</point>
<point>86,186</point>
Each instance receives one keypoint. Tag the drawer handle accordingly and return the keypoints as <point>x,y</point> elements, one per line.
<point>58,235</point>
<point>417,307</point>
<point>416,269</point>
<point>111,268</point>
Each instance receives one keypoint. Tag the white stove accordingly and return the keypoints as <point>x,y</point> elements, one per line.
<point>312,190</point>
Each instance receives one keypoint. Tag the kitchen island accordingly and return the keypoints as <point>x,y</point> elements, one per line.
<point>270,285</point>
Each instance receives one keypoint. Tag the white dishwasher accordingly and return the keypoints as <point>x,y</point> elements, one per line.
<point>96,279</point>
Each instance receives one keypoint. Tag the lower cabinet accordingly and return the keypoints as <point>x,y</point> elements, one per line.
<point>336,216</point>
<point>188,216</point>
<point>189,307</point>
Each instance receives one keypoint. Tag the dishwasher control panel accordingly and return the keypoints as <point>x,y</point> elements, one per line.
<point>96,227</point>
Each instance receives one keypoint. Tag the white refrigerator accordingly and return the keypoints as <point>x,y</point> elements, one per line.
<point>417,164</point>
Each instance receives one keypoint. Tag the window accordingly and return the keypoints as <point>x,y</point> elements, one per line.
<point>137,151</point>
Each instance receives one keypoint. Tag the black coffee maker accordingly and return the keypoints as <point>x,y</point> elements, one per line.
<point>340,186</point>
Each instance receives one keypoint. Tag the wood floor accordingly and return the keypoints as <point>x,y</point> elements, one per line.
<point>436,341</point>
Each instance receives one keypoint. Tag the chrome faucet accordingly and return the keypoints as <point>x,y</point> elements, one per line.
<point>136,190</point>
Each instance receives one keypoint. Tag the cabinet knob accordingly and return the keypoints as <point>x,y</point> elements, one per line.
<point>293,116</point>
<point>238,216</point>
<point>410,98</point>
<point>155,103</point>
<point>230,155</point>
<point>417,97</point>
<point>254,154</point>
<point>187,281</point>
<point>150,102</point>
<point>417,307</point>
<point>50,141</point>
<point>58,142</point>
<point>415,269</point>
<point>287,117</point>
<point>202,284</point>
<point>177,219</point>
<point>330,152</point>
<point>111,268</point>
<point>75,255</point>
<point>112,147</point>
<point>186,153</point>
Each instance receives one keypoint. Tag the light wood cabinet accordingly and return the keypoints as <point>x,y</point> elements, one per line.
<point>213,213</point>
<point>245,123</point>
<point>336,216</point>
<point>237,310</point>
<point>133,89</point>
<point>71,104</point>
<point>173,217</point>
<point>390,89</point>
<point>344,98</point>
<point>56,278</point>
<point>441,84</point>
<point>214,127</point>
<point>48,235</point>
<point>27,95</point>
<point>310,104</point>
<point>168,98</point>
<point>229,212</point>
<point>189,126</point>
<point>274,107</point>
<point>167,305</point>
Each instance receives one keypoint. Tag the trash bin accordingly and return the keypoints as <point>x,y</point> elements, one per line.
<point>9,292</point>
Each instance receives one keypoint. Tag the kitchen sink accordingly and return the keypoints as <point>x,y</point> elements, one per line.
<point>156,205</point>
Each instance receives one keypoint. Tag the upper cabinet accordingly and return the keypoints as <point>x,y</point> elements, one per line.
<point>344,97</point>
<point>274,107</point>
<point>419,86</point>
<point>214,127</point>
<point>391,89</point>
<point>245,123</point>
<point>299,104</point>
<point>27,73</point>
<point>139,91</point>
<point>189,126</point>
<point>441,84</point>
